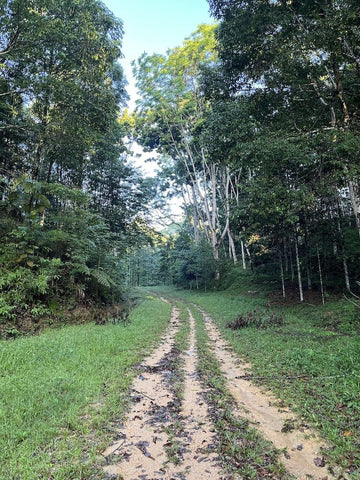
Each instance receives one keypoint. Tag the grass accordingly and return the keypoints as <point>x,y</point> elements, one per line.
<point>311,362</point>
<point>63,393</point>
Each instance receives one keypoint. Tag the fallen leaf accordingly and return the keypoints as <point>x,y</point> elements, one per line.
<point>319,462</point>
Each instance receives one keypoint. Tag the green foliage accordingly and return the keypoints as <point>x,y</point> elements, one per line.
<point>70,205</point>
<point>56,249</point>
<point>283,117</point>
<point>191,265</point>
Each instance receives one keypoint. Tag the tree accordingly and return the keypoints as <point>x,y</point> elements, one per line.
<point>170,119</point>
<point>70,205</point>
<point>289,70</point>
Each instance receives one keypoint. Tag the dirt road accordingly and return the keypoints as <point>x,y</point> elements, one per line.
<point>170,434</point>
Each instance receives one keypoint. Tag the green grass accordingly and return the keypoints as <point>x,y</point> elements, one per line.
<point>320,344</point>
<point>63,393</point>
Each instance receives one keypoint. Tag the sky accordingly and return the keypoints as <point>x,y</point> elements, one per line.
<point>154,26</point>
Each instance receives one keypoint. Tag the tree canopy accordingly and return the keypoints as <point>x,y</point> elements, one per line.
<point>70,203</point>
<point>263,132</point>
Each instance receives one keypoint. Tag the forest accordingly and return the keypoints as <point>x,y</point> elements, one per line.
<point>257,122</point>
<point>253,121</point>
<point>219,344</point>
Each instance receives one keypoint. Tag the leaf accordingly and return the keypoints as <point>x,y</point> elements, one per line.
<point>30,263</point>
<point>22,256</point>
<point>319,462</point>
<point>347,433</point>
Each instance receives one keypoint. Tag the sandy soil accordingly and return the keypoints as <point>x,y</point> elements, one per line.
<point>140,450</point>
<point>140,453</point>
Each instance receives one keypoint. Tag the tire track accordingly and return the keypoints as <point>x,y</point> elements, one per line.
<point>200,460</point>
<point>140,452</point>
<point>302,448</point>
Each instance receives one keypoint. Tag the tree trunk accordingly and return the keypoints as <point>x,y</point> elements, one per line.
<point>301,293</point>
<point>282,275</point>
<point>243,255</point>
<point>232,247</point>
<point>321,278</point>
<point>291,263</point>
<point>346,274</point>
<point>355,202</point>
<point>342,248</point>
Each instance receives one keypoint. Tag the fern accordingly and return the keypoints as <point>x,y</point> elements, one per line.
<point>81,268</point>
<point>102,278</point>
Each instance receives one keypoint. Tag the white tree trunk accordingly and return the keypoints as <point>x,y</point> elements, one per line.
<point>321,278</point>
<point>232,248</point>
<point>243,255</point>
<point>301,293</point>
<point>282,275</point>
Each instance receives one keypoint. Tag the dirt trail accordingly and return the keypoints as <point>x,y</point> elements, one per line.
<point>199,461</point>
<point>303,447</point>
<point>140,453</point>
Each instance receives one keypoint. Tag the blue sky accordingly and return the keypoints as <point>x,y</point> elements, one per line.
<point>153,26</point>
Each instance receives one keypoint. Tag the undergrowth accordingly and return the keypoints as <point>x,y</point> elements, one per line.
<point>256,319</point>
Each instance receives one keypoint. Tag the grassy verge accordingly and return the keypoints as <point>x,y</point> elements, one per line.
<point>242,450</point>
<point>311,362</point>
<point>63,393</point>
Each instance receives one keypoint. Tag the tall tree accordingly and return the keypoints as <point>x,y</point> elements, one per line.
<point>69,203</point>
<point>291,69</point>
<point>171,114</point>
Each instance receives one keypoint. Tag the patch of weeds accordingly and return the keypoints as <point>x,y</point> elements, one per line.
<point>242,449</point>
<point>173,447</point>
<point>289,425</point>
<point>256,319</point>
<point>340,318</point>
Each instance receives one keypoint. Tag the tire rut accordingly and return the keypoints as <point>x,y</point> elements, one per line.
<point>303,456</point>
<point>140,451</point>
<point>200,460</point>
